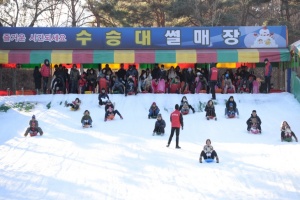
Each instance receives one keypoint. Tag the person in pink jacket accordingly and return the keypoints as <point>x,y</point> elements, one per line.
<point>45,71</point>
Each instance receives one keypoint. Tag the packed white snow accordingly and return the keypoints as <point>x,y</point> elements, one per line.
<point>120,159</point>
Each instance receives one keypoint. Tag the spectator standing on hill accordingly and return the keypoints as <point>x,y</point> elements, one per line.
<point>213,78</point>
<point>37,79</point>
<point>268,74</point>
<point>45,71</point>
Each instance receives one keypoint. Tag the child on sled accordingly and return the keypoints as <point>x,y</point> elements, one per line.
<point>210,110</point>
<point>33,128</point>
<point>253,123</point>
<point>110,112</point>
<point>208,152</point>
<point>160,125</point>
<point>75,104</point>
<point>153,111</point>
<point>86,119</point>
<point>286,133</point>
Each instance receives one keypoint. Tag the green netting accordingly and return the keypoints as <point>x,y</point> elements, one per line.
<point>274,64</point>
<point>295,86</point>
<point>30,66</point>
<point>88,66</point>
<point>145,66</point>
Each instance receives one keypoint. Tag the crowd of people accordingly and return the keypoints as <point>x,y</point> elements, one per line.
<point>156,80</point>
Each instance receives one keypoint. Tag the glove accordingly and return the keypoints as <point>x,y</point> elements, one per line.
<point>25,134</point>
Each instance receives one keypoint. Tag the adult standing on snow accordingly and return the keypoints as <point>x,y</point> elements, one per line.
<point>213,78</point>
<point>268,74</point>
<point>45,71</point>
<point>176,121</point>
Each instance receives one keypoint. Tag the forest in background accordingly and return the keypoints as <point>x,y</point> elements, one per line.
<point>151,13</point>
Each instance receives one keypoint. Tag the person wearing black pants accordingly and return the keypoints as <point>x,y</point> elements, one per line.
<point>176,121</point>
<point>213,77</point>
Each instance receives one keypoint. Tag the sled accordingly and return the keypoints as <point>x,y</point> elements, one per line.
<point>153,116</point>
<point>110,117</point>
<point>209,160</point>
<point>211,117</point>
<point>87,126</point>
<point>185,112</point>
<point>103,83</point>
<point>288,139</point>
<point>74,109</point>
<point>158,133</point>
<point>174,88</point>
<point>255,87</point>
<point>254,130</point>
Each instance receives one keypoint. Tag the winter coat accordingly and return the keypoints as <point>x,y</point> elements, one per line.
<point>109,105</point>
<point>37,78</point>
<point>160,124</point>
<point>103,96</point>
<point>45,71</point>
<point>86,117</point>
<point>213,75</point>
<point>153,108</point>
<point>253,120</point>
<point>208,148</point>
<point>268,70</point>
<point>210,110</point>
<point>74,75</point>
<point>176,119</point>
<point>228,102</point>
<point>33,123</point>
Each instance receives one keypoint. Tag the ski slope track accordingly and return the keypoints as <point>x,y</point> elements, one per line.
<point>120,159</point>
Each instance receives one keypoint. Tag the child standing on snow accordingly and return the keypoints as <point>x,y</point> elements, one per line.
<point>208,152</point>
<point>33,126</point>
<point>160,125</point>
<point>75,104</point>
<point>286,133</point>
<point>86,119</point>
<point>210,110</point>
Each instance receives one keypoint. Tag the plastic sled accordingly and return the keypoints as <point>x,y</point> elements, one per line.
<point>185,112</point>
<point>153,117</point>
<point>33,133</point>
<point>74,109</point>
<point>254,130</point>
<point>288,139</point>
<point>230,116</point>
<point>210,117</point>
<point>103,83</point>
<point>110,117</point>
<point>87,126</point>
<point>209,160</point>
<point>130,93</point>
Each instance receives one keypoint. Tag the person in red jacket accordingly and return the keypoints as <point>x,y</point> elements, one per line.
<point>213,78</point>
<point>176,121</point>
<point>45,71</point>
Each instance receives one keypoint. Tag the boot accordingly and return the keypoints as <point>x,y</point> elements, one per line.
<point>200,159</point>
<point>217,158</point>
<point>168,145</point>
<point>178,147</point>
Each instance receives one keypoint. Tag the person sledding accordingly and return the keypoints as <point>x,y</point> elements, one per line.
<point>210,110</point>
<point>286,133</point>
<point>110,112</point>
<point>86,119</point>
<point>103,97</point>
<point>74,105</point>
<point>231,109</point>
<point>208,152</point>
<point>33,128</point>
<point>160,124</point>
<point>253,123</point>
<point>185,106</point>
<point>153,111</point>
<point>130,86</point>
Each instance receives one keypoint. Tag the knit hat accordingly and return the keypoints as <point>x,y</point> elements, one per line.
<point>266,59</point>
<point>153,103</point>
<point>33,116</point>
<point>159,115</point>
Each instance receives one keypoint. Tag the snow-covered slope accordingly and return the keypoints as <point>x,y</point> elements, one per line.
<point>120,159</point>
